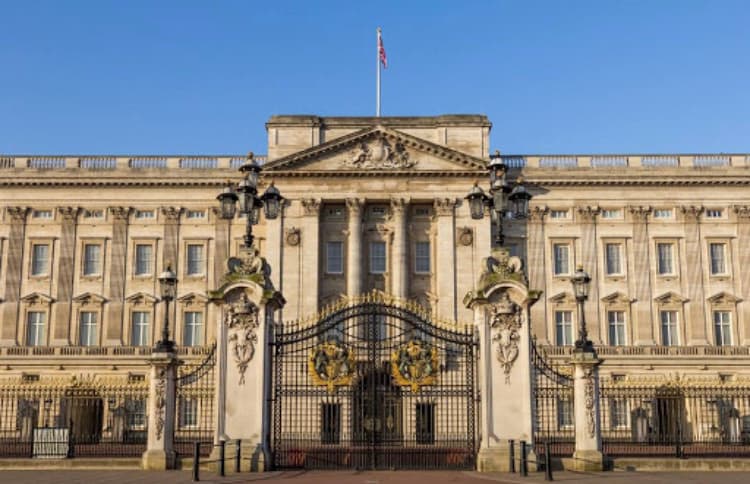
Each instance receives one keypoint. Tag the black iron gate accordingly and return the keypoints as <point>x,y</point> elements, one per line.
<point>554,421</point>
<point>374,384</point>
<point>194,418</point>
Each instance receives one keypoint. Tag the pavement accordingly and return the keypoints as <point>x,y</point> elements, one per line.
<point>364,477</point>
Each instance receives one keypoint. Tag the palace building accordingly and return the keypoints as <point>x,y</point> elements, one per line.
<point>374,257</point>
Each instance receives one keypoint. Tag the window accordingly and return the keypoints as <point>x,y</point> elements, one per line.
<point>136,413</point>
<point>723,328</point>
<point>421,211</point>
<point>195,260</point>
<point>330,418</point>
<point>619,414</point>
<point>425,423</point>
<point>188,412</point>
<point>144,214</point>
<point>193,334</point>
<point>377,211</point>
<point>564,413</point>
<point>143,259</point>
<point>335,211</point>
<point>92,260</point>
<point>665,261</point>
<point>561,253</point>
<point>613,253</point>
<point>662,213</point>
<point>422,258</point>
<point>39,259</point>
<point>616,320</point>
<point>87,328</point>
<point>714,213</point>
<point>140,328</point>
<point>558,214</point>
<point>195,214</point>
<point>669,336</point>
<point>335,257</point>
<point>377,257</point>
<point>564,327</point>
<point>35,328</point>
<point>612,213</point>
<point>717,252</point>
<point>41,214</point>
<point>96,213</point>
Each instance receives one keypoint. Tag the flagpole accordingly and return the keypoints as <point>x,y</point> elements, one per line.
<point>377,66</point>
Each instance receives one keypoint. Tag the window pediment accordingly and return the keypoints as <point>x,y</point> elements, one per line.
<point>193,298</point>
<point>89,298</point>
<point>617,298</point>
<point>670,298</point>
<point>723,298</point>
<point>37,299</point>
<point>141,298</point>
<point>562,298</point>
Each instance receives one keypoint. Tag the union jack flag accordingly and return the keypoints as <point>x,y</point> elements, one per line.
<point>381,51</point>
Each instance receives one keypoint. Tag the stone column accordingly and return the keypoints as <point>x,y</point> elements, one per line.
<point>743,241</point>
<point>354,253</point>
<point>641,310</point>
<point>310,246</point>
<point>162,402</point>
<point>501,305</point>
<point>400,268</point>
<point>695,319</point>
<point>536,268</point>
<point>446,258</point>
<point>588,449</point>
<point>117,274</point>
<point>587,217</point>
<point>65,277</point>
<point>16,218</point>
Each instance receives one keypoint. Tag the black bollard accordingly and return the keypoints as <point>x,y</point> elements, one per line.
<point>547,463</point>
<point>238,456</point>
<point>524,463</point>
<point>196,462</point>
<point>511,456</point>
<point>222,450</point>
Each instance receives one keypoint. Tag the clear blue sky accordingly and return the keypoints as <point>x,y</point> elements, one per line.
<point>116,76</point>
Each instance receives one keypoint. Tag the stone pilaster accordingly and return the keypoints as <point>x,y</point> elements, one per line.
<point>310,246</point>
<point>641,278</point>
<point>162,403</point>
<point>743,234</point>
<point>275,244</point>
<point>400,268</point>
<point>354,254</point>
<point>117,274</point>
<point>587,217</point>
<point>65,276</point>
<point>537,270</point>
<point>695,327</point>
<point>446,259</point>
<point>15,217</point>
<point>221,250</point>
<point>171,237</point>
<point>588,448</point>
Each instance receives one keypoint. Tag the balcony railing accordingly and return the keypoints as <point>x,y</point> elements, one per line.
<point>626,161</point>
<point>96,351</point>
<point>552,350</point>
<point>115,162</point>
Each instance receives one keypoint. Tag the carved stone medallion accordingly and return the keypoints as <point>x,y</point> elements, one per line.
<point>415,364</point>
<point>331,364</point>
<point>292,236</point>
<point>506,325</point>
<point>379,154</point>
<point>242,320</point>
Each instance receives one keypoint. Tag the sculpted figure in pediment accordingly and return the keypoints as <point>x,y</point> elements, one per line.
<point>378,155</point>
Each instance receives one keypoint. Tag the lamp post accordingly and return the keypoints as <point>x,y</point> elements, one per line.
<point>168,288</point>
<point>246,193</point>
<point>581,282</point>
<point>504,199</point>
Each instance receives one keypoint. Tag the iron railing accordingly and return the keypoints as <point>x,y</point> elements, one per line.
<point>194,416</point>
<point>554,415</point>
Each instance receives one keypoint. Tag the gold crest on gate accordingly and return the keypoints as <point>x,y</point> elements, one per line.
<point>415,364</point>
<point>331,364</point>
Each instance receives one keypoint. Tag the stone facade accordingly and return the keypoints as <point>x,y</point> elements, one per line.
<point>376,203</point>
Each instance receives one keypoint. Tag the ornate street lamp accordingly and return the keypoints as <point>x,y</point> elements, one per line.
<point>168,289</point>
<point>581,282</point>
<point>250,204</point>
<point>504,200</point>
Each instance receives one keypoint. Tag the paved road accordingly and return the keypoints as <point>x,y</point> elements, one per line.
<point>351,477</point>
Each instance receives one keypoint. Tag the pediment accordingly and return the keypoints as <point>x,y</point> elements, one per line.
<point>89,298</point>
<point>193,298</point>
<point>562,298</point>
<point>141,298</point>
<point>670,298</point>
<point>723,297</point>
<point>37,298</point>
<point>617,297</point>
<point>377,150</point>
